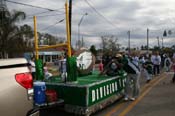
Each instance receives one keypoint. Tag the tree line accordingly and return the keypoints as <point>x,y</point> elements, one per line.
<point>15,40</point>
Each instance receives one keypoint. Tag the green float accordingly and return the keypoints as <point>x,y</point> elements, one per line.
<point>90,93</point>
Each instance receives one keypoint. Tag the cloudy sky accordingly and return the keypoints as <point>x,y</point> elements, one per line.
<point>109,17</point>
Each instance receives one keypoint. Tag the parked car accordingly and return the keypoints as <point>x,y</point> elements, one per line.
<point>16,87</point>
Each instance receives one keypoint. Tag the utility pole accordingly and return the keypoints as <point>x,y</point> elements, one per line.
<point>129,49</point>
<point>158,41</point>
<point>162,42</point>
<point>82,42</point>
<point>79,27</point>
<point>164,35</point>
<point>147,40</point>
<point>70,18</point>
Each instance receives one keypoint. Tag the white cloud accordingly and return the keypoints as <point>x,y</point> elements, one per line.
<point>134,15</point>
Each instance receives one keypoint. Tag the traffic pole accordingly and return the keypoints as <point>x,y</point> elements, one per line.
<point>36,37</point>
<point>68,29</point>
<point>147,41</point>
<point>129,46</point>
<point>70,19</point>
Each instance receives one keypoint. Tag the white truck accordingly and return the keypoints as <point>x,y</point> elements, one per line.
<point>16,88</point>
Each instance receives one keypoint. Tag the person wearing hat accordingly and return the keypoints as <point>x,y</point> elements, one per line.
<point>118,56</point>
<point>113,66</point>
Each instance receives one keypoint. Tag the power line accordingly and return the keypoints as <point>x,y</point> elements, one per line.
<point>52,25</point>
<point>93,9</point>
<point>100,14</point>
<point>39,16</point>
<point>39,13</point>
<point>30,5</point>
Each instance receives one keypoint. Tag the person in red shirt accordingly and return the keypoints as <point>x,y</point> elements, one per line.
<point>101,66</point>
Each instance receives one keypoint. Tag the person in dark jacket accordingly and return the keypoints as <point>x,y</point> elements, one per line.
<point>173,79</point>
<point>167,63</point>
<point>148,70</point>
<point>133,78</point>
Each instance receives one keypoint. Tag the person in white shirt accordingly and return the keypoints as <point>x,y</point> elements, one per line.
<point>63,68</point>
<point>142,60</point>
<point>156,60</point>
<point>135,60</point>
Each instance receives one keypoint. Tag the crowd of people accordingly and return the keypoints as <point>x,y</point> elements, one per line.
<point>137,65</point>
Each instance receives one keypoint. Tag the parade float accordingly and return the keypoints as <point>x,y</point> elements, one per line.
<point>85,90</point>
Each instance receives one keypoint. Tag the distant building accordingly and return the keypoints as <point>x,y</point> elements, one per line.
<point>46,55</point>
<point>145,52</point>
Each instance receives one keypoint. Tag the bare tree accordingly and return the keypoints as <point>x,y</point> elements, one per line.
<point>109,43</point>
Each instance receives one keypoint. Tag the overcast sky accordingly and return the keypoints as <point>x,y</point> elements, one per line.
<point>119,16</point>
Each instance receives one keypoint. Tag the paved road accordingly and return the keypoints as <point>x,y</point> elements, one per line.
<point>160,100</point>
<point>157,99</point>
<point>54,112</point>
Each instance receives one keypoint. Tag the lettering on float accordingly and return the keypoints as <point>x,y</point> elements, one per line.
<point>106,90</point>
